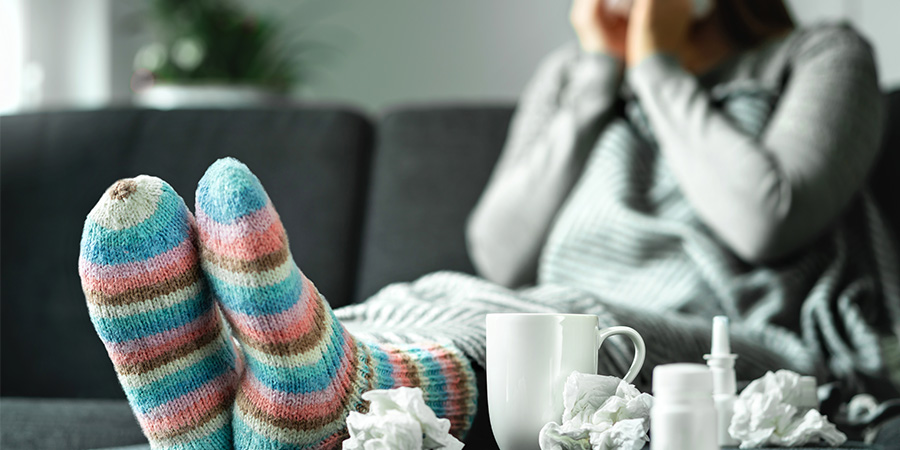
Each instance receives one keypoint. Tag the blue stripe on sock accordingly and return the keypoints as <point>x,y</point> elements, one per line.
<point>384,371</point>
<point>147,397</point>
<point>261,300</point>
<point>135,326</point>
<point>303,379</point>
<point>246,437</point>
<point>436,389</point>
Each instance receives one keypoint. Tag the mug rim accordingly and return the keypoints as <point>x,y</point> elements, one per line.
<point>540,314</point>
<point>510,318</point>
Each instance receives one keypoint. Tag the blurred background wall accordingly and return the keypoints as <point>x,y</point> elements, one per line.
<point>80,53</point>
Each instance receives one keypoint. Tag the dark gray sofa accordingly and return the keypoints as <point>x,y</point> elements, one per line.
<point>365,201</point>
<point>362,209</point>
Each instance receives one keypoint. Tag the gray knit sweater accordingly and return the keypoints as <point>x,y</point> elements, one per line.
<point>764,196</point>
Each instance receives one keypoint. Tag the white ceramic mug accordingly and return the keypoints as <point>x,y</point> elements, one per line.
<point>529,357</point>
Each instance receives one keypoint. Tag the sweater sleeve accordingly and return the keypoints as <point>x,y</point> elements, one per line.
<point>767,196</point>
<point>557,120</point>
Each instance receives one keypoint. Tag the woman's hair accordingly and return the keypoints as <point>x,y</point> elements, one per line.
<point>751,22</point>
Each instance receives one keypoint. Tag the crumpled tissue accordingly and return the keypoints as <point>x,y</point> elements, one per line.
<point>767,414</point>
<point>601,413</point>
<point>398,419</point>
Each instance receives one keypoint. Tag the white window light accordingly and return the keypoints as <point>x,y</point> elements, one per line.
<point>12,47</point>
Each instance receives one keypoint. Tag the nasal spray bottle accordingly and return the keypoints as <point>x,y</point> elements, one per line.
<point>721,363</point>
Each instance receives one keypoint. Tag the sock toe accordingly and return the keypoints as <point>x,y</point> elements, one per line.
<point>229,191</point>
<point>135,219</point>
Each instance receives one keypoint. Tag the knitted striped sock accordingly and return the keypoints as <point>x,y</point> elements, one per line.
<point>305,371</point>
<point>150,304</point>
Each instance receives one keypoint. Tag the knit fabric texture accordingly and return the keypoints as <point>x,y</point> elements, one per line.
<point>304,371</point>
<point>151,307</point>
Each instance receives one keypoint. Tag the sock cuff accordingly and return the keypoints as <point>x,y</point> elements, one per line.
<point>442,372</point>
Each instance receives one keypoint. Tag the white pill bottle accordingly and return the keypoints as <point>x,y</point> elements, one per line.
<point>684,415</point>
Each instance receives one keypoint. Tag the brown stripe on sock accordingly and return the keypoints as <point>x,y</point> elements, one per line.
<point>221,407</point>
<point>163,287</point>
<point>412,370</point>
<point>261,264</point>
<point>210,335</point>
<point>249,408</point>
<point>369,379</point>
<point>461,408</point>
<point>368,382</point>
<point>302,344</point>
<point>123,189</point>
<point>465,385</point>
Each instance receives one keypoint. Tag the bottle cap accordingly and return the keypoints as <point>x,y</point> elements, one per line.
<point>683,379</point>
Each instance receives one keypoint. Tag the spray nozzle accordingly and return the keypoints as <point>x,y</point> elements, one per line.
<point>720,359</point>
<point>721,343</point>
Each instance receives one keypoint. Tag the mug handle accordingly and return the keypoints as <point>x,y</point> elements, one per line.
<point>640,350</point>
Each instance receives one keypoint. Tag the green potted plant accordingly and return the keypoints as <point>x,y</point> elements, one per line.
<point>214,53</point>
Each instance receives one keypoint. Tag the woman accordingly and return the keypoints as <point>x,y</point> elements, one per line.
<point>728,178</point>
<point>721,174</point>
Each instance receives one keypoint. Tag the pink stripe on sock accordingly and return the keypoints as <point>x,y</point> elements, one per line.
<point>256,222</point>
<point>249,246</point>
<point>400,377</point>
<point>449,374</point>
<point>184,410</point>
<point>308,406</point>
<point>285,326</point>
<point>115,279</point>
<point>149,347</point>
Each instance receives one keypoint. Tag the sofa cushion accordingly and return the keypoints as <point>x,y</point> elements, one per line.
<point>313,162</point>
<point>431,164</point>
<point>52,424</point>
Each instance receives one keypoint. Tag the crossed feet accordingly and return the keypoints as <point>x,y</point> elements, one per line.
<point>158,283</point>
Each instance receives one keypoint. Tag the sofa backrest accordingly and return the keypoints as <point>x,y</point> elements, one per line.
<point>885,180</point>
<point>55,166</point>
<point>430,167</point>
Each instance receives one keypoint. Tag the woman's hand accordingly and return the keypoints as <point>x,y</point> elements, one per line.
<point>597,29</point>
<point>657,26</point>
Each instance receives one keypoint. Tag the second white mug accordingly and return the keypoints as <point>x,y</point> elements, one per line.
<point>529,357</point>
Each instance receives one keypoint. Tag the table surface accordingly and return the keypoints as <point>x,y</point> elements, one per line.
<point>846,446</point>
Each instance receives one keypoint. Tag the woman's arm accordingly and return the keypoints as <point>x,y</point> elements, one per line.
<point>558,118</point>
<point>767,197</point>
